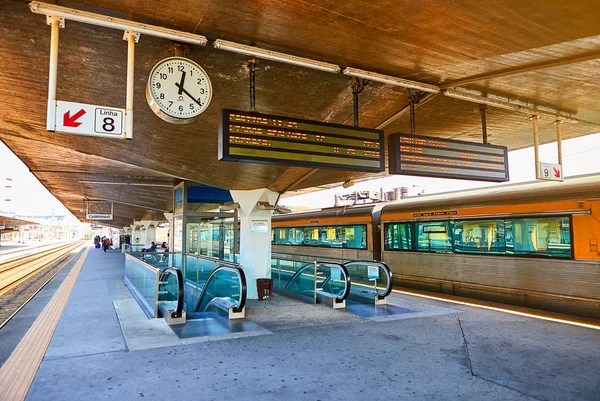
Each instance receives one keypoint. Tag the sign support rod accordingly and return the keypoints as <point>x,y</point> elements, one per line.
<point>131,38</point>
<point>54,22</point>
<point>483,124</point>
<point>536,146</point>
<point>252,70</point>
<point>355,101</point>
<point>358,85</point>
<point>559,140</point>
<point>414,96</point>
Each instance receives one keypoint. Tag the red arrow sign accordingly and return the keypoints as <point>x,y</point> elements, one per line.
<point>556,172</point>
<point>69,121</point>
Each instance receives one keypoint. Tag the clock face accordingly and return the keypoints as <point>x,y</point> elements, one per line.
<point>178,90</point>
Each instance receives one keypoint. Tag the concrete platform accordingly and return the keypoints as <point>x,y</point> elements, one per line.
<point>429,350</point>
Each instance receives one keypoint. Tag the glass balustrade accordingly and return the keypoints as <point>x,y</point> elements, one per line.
<point>143,279</point>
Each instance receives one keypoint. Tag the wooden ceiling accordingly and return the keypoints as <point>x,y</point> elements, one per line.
<point>538,53</point>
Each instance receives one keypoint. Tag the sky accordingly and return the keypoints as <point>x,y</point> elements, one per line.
<point>27,195</point>
<point>580,156</point>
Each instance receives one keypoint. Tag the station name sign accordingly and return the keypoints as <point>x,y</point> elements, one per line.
<point>261,138</point>
<point>445,158</point>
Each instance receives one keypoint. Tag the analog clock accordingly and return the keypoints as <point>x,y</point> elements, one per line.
<point>178,90</point>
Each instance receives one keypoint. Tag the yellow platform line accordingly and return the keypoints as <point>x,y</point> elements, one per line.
<point>19,370</point>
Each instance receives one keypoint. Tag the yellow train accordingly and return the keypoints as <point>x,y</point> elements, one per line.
<point>533,244</point>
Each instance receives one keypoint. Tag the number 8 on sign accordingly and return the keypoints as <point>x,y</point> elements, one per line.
<point>108,121</point>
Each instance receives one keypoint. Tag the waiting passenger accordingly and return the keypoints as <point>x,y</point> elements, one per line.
<point>151,249</point>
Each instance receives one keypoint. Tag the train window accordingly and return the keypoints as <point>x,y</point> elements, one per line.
<point>354,237</point>
<point>479,236</point>
<point>547,236</point>
<point>434,236</point>
<point>398,236</point>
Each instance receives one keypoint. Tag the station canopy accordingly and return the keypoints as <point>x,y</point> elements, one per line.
<point>534,54</point>
<point>12,224</point>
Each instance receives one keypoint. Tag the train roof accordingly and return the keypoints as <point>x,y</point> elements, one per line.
<point>357,210</point>
<point>584,187</point>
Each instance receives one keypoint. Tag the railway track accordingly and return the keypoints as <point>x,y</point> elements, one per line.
<point>23,277</point>
<point>17,270</point>
<point>25,250</point>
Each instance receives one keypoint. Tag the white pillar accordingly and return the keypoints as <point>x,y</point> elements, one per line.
<point>136,234</point>
<point>150,232</point>
<point>256,208</point>
<point>169,217</point>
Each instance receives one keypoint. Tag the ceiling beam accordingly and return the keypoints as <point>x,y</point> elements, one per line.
<point>522,69</point>
<point>129,204</point>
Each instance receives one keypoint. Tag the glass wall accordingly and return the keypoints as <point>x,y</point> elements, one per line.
<point>211,236</point>
<point>543,236</point>
<point>354,237</point>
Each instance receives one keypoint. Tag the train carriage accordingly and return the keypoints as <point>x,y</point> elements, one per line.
<point>533,244</point>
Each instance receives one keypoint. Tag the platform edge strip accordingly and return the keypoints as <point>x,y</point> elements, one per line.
<point>19,370</point>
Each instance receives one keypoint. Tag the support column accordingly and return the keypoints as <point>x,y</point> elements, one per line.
<point>256,208</point>
<point>150,233</point>
<point>170,217</point>
<point>136,234</point>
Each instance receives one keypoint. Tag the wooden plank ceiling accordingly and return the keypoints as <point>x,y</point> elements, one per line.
<point>529,52</point>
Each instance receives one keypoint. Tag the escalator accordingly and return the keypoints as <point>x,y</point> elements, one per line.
<point>317,282</point>
<point>223,292</point>
<point>371,281</point>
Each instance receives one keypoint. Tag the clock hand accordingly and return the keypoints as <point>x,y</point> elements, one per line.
<point>180,86</point>
<point>187,93</point>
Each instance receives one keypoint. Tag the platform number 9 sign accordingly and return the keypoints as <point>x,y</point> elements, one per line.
<point>546,172</point>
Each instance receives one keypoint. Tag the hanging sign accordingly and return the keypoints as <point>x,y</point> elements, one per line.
<point>549,171</point>
<point>246,136</point>
<point>99,210</point>
<point>89,119</point>
<point>436,157</point>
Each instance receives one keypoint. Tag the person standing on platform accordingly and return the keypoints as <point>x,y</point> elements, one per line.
<point>105,244</point>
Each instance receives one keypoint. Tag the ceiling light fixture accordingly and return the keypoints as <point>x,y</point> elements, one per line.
<point>276,56</point>
<point>115,23</point>
<point>502,104</point>
<point>472,97</point>
<point>386,79</point>
<point>140,184</point>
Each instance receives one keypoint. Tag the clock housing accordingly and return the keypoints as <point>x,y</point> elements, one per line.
<point>178,90</point>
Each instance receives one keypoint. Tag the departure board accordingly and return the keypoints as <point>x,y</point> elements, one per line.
<point>436,157</point>
<point>261,138</point>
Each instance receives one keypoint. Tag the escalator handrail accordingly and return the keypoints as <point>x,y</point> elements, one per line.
<point>348,282</point>
<point>243,286</point>
<point>386,269</point>
<point>299,272</point>
<point>179,276</point>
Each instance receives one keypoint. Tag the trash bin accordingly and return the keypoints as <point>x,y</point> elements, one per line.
<point>265,288</point>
